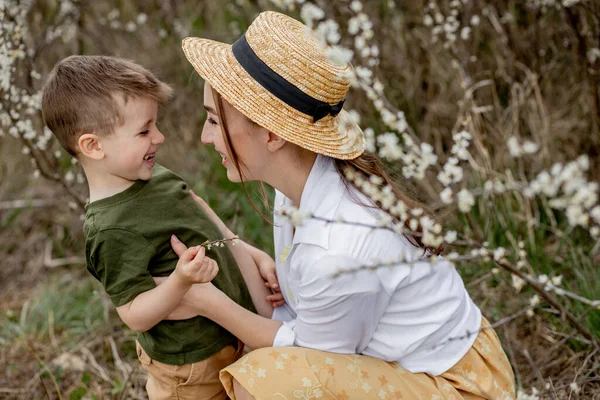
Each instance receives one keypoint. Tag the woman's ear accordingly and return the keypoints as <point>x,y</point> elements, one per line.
<point>90,146</point>
<point>275,142</point>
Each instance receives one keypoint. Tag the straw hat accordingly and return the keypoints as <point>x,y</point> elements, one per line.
<point>277,75</point>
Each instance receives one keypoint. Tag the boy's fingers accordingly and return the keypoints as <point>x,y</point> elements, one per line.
<point>178,246</point>
<point>275,297</point>
<point>201,252</point>
<point>275,289</point>
<point>189,254</point>
<point>278,303</point>
<point>271,280</point>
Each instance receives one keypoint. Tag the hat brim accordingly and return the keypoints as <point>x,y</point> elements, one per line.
<point>216,64</point>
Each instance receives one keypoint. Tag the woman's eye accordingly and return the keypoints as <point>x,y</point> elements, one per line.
<point>211,121</point>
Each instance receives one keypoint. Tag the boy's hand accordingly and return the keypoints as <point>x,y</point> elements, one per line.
<point>194,267</point>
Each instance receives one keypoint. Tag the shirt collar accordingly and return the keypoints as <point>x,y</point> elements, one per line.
<point>321,196</point>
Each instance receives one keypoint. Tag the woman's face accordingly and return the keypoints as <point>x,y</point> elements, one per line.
<point>246,138</point>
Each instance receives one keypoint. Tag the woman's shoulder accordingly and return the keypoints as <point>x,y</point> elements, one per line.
<point>358,228</point>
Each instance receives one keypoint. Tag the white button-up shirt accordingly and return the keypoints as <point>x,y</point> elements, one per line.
<point>420,316</point>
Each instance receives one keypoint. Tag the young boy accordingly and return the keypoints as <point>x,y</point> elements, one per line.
<point>103,111</point>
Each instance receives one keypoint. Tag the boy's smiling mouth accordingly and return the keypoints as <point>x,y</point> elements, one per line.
<point>150,157</point>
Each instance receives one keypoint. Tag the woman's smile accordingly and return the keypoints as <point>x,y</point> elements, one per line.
<point>224,159</point>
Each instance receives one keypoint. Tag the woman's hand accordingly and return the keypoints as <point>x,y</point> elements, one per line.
<point>266,267</point>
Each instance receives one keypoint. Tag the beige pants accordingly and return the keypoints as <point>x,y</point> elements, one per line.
<point>190,381</point>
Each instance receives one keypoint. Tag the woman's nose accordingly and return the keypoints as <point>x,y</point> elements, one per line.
<point>206,137</point>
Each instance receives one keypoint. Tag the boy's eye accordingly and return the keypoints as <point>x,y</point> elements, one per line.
<point>144,132</point>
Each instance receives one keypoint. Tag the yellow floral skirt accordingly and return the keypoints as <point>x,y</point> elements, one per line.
<point>301,373</point>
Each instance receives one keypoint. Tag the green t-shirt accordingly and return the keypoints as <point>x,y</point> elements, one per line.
<point>127,243</point>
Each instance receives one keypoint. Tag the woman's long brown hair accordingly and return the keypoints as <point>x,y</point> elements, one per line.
<point>367,164</point>
<point>220,103</point>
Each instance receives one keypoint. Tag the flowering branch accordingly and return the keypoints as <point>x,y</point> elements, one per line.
<point>220,243</point>
<point>551,300</point>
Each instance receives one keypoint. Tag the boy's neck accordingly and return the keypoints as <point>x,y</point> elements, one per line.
<point>103,185</point>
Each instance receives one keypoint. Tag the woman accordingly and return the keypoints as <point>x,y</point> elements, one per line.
<point>275,115</point>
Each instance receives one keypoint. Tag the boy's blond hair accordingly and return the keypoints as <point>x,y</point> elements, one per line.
<point>80,95</point>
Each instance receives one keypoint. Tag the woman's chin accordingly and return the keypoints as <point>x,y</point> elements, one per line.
<point>233,176</point>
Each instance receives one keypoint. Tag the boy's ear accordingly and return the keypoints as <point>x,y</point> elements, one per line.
<point>90,146</point>
<point>275,142</point>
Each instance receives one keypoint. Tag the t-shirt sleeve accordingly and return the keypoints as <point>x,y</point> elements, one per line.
<point>119,259</point>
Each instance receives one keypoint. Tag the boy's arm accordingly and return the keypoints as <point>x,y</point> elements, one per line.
<point>150,307</point>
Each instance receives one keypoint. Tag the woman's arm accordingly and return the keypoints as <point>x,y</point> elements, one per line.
<point>255,331</point>
<point>266,268</point>
<point>336,314</point>
<point>341,322</point>
<point>258,291</point>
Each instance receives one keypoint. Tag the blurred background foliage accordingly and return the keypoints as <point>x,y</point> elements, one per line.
<point>525,70</point>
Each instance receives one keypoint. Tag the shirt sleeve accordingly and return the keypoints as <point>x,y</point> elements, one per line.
<point>119,259</point>
<point>333,314</point>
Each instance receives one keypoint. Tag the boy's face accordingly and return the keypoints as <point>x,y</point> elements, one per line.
<point>130,150</point>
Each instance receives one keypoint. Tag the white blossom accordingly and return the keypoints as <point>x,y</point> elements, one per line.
<point>339,55</point>
<point>465,200</point>
<point>311,13</point>
<point>447,196</point>
<point>593,54</point>
<point>356,6</point>
<point>534,300</point>
<point>450,237</point>
<point>513,147</point>
<point>517,282</point>
<point>499,253</point>
<point>574,387</point>
<point>328,32</point>
<point>465,33</point>
<point>142,18</point>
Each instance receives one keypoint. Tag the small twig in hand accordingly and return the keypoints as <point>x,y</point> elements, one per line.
<point>220,243</point>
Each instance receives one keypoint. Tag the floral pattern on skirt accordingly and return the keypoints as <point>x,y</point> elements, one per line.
<point>288,373</point>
